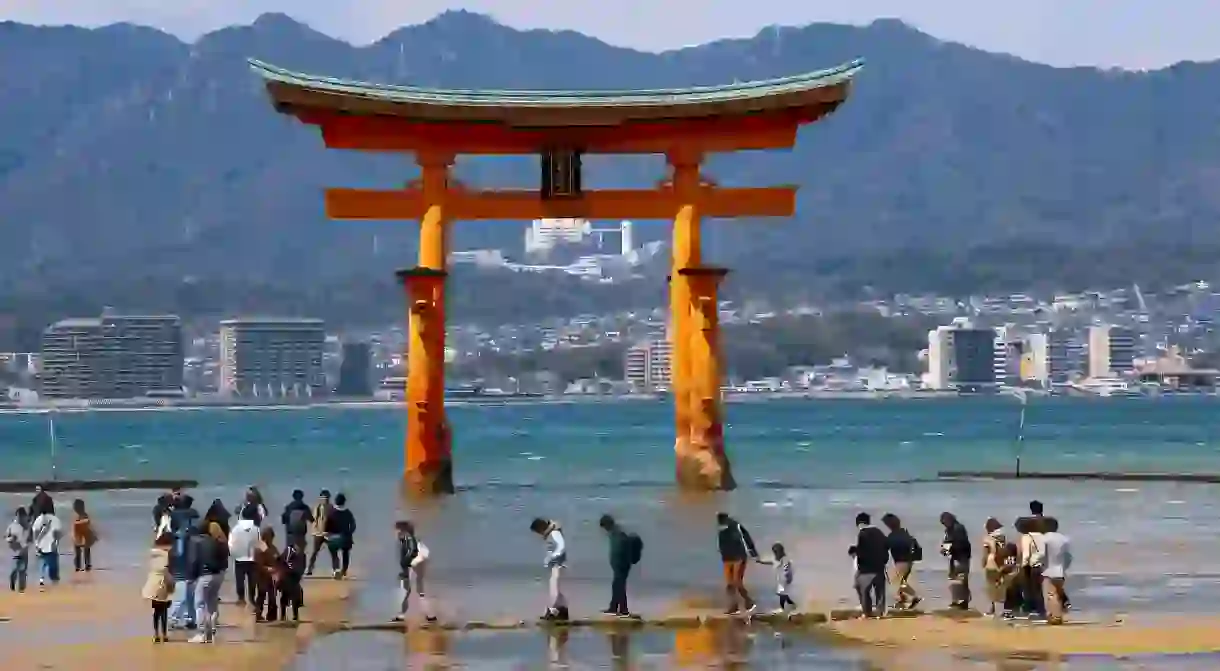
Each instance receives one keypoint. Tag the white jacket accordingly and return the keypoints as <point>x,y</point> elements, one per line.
<point>243,540</point>
<point>46,532</point>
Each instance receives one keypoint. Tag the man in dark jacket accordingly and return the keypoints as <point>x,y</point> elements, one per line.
<point>736,548</point>
<point>296,519</point>
<point>183,520</point>
<point>905,551</point>
<point>624,553</point>
<point>872,554</point>
<point>956,547</point>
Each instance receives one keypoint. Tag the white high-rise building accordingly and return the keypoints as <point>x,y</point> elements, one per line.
<point>646,366</point>
<point>272,358</point>
<point>626,239</point>
<point>1111,350</point>
<point>961,357</point>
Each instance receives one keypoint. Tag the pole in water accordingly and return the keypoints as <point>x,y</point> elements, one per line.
<point>51,425</point>
<point>1020,433</point>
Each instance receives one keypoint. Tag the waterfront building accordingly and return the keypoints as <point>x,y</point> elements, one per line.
<point>113,356</point>
<point>272,357</point>
<point>1009,349</point>
<point>961,357</point>
<point>646,366</point>
<point>1112,350</point>
<point>355,370</point>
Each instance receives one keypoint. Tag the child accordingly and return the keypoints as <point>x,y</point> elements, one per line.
<point>18,537</point>
<point>783,576</point>
<point>412,565</point>
<point>159,586</point>
<point>292,572</point>
<point>83,537</point>
<point>555,562</point>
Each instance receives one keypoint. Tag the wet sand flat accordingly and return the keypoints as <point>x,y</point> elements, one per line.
<point>1164,635</point>
<point>101,626</point>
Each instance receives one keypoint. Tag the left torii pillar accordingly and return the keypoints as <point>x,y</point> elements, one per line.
<point>428,458</point>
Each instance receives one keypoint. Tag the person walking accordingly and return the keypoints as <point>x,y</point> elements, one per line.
<point>243,543</point>
<point>555,561</point>
<point>872,554</point>
<point>340,535</point>
<point>626,549</point>
<point>17,535</point>
<point>159,585</point>
<point>905,551</point>
<point>412,568</point>
<point>1058,560</point>
<point>736,549</point>
<point>956,547</point>
<point>45,534</point>
<point>998,567</point>
<point>321,512</point>
<point>292,574</point>
<point>184,525</point>
<point>211,561</point>
<point>84,537</point>
<point>784,575</point>
<point>267,577</point>
<point>296,519</point>
<point>1037,511</point>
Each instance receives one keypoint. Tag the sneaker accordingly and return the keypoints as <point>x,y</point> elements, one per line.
<point>753,607</point>
<point>561,613</point>
<point>625,615</point>
<point>610,611</point>
<point>335,574</point>
<point>914,602</point>
<point>198,638</point>
<point>401,617</point>
<point>431,619</point>
<point>157,639</point>
<point>732,612</point>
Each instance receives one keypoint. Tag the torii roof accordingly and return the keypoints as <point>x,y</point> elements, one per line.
<point>296,93</point>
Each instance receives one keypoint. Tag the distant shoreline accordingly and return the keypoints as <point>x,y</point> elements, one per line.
<point>161,405</point>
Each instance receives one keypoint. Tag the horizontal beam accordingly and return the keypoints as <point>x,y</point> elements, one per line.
<point>527,205</point>
<point>751,132</point>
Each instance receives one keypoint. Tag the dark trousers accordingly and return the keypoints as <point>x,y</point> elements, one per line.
<point>264,602</point>
<point>340,558</point>
<point>243,575</point>
<point>160,611</point>
<point>618,590</point>
<point>82,558</point>
<point>1031,590</point>
<point>290,595</point>
<point>319,542</point>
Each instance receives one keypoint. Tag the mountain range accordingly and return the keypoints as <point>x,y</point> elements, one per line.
<point>127,153</point>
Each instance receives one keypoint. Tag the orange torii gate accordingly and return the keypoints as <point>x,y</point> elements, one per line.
<point>560,126</point>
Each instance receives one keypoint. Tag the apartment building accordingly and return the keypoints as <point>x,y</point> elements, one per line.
<point>272,357</point>
<point>112,356</point>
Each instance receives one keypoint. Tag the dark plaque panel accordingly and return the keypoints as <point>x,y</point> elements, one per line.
<point>560,174</point>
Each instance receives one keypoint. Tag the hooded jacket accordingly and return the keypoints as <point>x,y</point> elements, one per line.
<point>556,548</point>
<point>734,542</point>
<point>243,540</point>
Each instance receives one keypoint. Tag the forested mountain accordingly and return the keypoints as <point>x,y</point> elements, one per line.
<point>129,156</point>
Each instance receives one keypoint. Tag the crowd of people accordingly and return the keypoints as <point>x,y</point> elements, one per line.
<point>38,529</point>
<point>191,555</point>
<point>1024,573</point>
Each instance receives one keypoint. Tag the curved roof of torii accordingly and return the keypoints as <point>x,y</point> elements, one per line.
<point>295,93</point>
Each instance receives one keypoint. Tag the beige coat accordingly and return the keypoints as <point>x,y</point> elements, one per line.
<point>159,585</point>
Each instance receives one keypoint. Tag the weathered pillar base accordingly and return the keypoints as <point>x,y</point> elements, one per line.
<point>427,454</point>
<point>704,465</point>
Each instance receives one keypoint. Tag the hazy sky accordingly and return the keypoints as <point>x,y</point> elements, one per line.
<point>1127,33</point>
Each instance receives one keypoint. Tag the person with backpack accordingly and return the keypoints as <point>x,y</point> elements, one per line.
<point>183,519</point>
<point>905,551</point>
<point>296,519</point>
<point>956,547</point>
<point>736,548</point>
<point>626,548</point>
<point>210,561</point>
<point>999,567</point>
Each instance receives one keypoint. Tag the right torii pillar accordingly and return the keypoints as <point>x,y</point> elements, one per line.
<point>694,333</point>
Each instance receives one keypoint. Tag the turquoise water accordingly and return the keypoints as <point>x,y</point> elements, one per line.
<point>806,468</point>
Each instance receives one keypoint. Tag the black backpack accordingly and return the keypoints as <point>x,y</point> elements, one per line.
<point>298,524</point>
<point>636,547</point>
<point>916,550</point>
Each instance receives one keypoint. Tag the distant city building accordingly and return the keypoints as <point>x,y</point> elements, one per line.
<point>1112,351</point>
<point>356,370</point>
<point>274,358</point>
<point>961,357</point>
<point>646,366</point>
<point>113,356</point>
<point>1009,351</point>
<point>544,235</point>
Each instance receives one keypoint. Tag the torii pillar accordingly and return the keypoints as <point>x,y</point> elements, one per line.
<point>428,453</point>
<point>701,463</point>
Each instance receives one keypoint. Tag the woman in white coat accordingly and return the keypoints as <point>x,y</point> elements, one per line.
<point>46,531</point>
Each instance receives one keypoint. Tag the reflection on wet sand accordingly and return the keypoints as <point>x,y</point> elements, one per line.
<point>431,647</point>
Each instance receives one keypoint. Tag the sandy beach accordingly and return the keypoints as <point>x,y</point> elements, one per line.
<point>91,622</point>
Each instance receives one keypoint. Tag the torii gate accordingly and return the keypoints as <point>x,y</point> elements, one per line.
<point>560,126</point>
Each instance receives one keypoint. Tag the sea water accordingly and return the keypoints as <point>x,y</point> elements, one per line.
<point>805,468</point>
